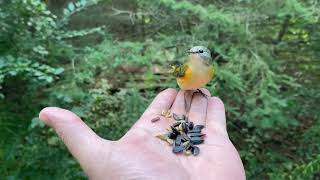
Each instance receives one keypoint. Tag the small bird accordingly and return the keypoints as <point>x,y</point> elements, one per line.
<point>197,71</point>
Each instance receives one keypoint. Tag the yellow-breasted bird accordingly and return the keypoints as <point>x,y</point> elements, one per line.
<point>197,71</point>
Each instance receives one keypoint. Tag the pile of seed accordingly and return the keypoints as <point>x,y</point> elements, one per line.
<point>183,136</point>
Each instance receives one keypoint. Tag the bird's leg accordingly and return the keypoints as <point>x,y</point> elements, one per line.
<point>205,96</point>
<point>187,104</point>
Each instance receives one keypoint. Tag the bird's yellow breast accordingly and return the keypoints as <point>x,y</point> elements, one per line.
<point>196,76</point>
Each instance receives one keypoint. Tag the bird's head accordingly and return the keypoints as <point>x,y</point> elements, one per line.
<point>202,53</point>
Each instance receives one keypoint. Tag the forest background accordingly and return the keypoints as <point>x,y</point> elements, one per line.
<point>105,60</point>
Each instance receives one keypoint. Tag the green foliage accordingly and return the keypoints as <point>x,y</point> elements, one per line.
<point>33,41</point>
<point>267,73</point>
<point>304,171</point>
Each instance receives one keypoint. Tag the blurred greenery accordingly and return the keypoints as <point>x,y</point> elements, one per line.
<point>106,60</point>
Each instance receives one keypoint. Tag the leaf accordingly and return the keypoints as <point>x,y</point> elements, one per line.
<point>83,2</point>
<point>266,123</point>
<point>36,122</point>
<point>66,12</point>
<point>79,111</point>
<point>71,7</point>
<point>58,71</point>
<point>53,141</point>
<point>49,79</point>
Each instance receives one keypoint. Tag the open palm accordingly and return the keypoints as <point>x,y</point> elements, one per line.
<point>139,155</point>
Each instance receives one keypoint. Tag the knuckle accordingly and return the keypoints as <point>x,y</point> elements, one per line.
<point>218,103</point>
<point>169,91</point>
<point>166,93</point>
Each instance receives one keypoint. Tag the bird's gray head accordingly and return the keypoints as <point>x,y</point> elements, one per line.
<point>202,52</point>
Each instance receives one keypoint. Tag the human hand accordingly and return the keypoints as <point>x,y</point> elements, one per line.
<point>139,155</point>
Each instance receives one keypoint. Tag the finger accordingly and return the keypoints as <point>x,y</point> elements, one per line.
<point>162,102</point>
<point>81,141</point>
<point>199,105</point>
<point>216,118</point>
<point>182,100</point>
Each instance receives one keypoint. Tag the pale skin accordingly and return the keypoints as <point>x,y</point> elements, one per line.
<point>139,155</point>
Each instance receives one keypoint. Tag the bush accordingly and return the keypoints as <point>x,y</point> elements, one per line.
<point>266,73</point>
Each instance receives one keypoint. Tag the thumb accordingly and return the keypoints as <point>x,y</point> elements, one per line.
<point>81,141</point>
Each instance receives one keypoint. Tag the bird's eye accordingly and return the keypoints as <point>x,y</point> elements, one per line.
<point>200,51</point>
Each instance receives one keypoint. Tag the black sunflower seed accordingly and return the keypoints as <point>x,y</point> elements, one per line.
<point>197,140</point>
<point>195,134</point>
<point>190,125</point>
<point>188,145</point>
<point>155,119</point>
<point>195,150</point>
<point>199,127</point>
<point>185,137</point>
<point>179,127</point>
<point>174,130</point>
<point>184,127</point>
<point>177,149</point>
<point>172,135</point>
<point>178,140</point>
<point>195,131</point>
<point>176,124</point>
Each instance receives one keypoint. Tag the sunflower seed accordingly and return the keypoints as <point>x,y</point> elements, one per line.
<point>163,137</point>
<point>187,145</point>
<point>172,135</point>
<point>195,131</point>
<point>195,134</point>
<point>195,150</point>
<point>185,137</point>
<point>182,134</point>
<point>184,127</point>
<point>178,140</point>
<point>168,114</point>
<point>197,140</point>
<point>199,127</point>
<point>174,130</point>
<point>190,125</point>
<point>155,119</point>
<point>187,152</point>
<point>170,141</point>
<point>177,149</point>
<point>176,124</point>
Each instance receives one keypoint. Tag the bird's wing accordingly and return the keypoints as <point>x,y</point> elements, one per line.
<point>179,70</point>
<point>211,72</point>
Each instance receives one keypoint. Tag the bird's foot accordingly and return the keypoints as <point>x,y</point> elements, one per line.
<point>202,93</point>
